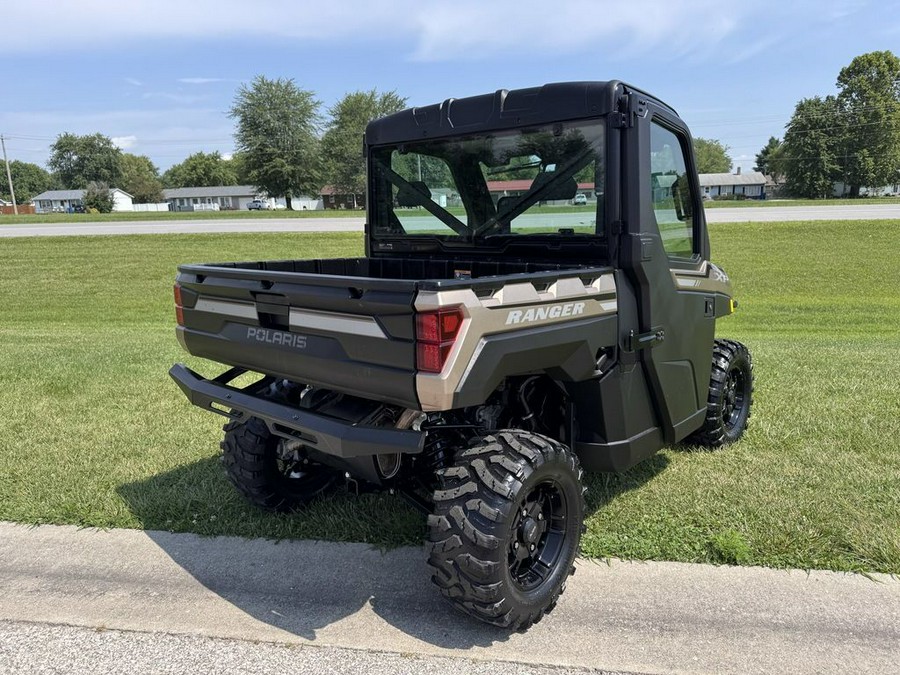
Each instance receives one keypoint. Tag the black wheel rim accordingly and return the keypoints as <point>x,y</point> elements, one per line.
<point>539,532</point>
<point>734,400</point>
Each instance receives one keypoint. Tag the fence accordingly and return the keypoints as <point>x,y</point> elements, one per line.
<point>164,206</point>
<point>23,209</point>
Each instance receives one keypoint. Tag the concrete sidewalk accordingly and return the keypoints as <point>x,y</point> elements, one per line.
<point>627,617</point>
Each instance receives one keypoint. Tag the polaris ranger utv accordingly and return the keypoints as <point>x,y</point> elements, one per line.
<point>498,336</point>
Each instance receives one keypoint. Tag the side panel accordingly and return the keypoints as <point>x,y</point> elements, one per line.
<point>518,329</point>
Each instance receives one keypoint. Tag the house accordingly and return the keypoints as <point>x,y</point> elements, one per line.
<point>216,198</point>
<point>63,201</point>
<point>843,190</point>
<point>227,198</point>
<point>515,188</point>
<point>332,198</point>
<point>751,184</point>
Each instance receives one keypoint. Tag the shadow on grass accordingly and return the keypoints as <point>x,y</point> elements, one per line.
<point>604,487</point>
<point>304,586</point>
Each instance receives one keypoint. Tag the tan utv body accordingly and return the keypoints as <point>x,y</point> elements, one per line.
<point>499,336</point>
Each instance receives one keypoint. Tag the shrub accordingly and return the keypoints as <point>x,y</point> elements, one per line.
<point>98,196</point>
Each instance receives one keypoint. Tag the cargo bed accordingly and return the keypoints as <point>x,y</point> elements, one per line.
<point>346,324</point>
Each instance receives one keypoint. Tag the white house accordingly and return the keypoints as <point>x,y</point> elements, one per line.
<point>219,197</point>
<point>62,201</point>
<point>227,198</point>
<point>751,184</point>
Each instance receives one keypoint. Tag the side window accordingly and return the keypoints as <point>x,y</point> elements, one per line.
<point>671,192</point>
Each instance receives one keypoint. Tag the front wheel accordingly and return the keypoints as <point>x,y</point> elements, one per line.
<point>507,524</point>
<point>730,396</point>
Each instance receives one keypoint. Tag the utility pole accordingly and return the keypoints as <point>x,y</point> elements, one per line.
<point>12,193</point>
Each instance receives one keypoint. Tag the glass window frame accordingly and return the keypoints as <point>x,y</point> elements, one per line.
<point>682,136</point>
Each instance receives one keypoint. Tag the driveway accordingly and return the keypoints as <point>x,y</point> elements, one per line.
<point>616,616</point>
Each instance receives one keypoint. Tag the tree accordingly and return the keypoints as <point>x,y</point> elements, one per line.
<point>809,151</point>
<point>711,156</point>
<point>277,133</point>
<point>767,158</point>
<point>201,170</point>
<point>28,180</point>
<point>79,160</point>
<point>98,196</point>
<point>869,106</point>
<point>140,179</point>
<point>344,166</point>
<point>238,165</point>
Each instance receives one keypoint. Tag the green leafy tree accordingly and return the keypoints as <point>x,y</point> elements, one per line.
<point>711,156</point>
<point>343,164</point>
<point>201,169</point>
<point>238,164</point>
<point>767,158</point>
<point>809,152</point>
<point>79,160</point>
<point>140,178</point>
<point>98,197</point>
<point>28,180</point>
<point>869,121</point>
<point>277,134</point>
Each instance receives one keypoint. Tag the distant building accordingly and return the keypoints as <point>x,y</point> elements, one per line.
<point>218,198</point>
<point>228,198</point>
<point>332,198</point>
<point>515,188</point>
<point>751,184</point>
<point>66,201</point>
<point>842,190</point>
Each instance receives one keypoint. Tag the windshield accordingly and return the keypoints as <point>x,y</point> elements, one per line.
<point>543,180</point>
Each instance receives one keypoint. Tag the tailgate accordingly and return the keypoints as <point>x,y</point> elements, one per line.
<point>350,334</point>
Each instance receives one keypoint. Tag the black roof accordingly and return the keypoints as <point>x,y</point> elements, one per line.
<point>502,109</point>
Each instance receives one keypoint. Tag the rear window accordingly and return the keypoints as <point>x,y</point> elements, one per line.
<point>537,181</point>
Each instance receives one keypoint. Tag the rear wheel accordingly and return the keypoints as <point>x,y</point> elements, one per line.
<point>507,523</point>
<point>730,396</point>
<point>271,472</point>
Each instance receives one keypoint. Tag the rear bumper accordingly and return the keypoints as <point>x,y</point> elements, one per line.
<point>323,434</point>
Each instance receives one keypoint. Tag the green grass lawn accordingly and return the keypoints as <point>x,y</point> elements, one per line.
<point>94,432</point>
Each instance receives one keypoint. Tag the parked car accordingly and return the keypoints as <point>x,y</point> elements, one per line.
<point>259,205</point>
<point>580,199</point>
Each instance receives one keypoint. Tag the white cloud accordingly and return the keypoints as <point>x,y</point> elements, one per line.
<point>201,80</point>
<point>124,142</point>
<point>181,99</point>
<point>134,82</point>
<point>428,30</point>
<point>74,24</point>
<point>532,27</point>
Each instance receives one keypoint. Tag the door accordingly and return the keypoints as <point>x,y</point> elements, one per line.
<point>665,237</point>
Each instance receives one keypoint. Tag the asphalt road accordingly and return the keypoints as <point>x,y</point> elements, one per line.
<point>622,617</point>
<point>69,650</point>
<point>354,224</point>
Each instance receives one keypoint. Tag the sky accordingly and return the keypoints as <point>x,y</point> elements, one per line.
<point>158,76</point>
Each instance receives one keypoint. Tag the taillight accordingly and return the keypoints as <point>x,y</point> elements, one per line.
<point>179,310</point>
<point>435,334</point>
